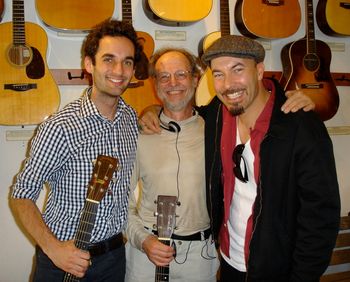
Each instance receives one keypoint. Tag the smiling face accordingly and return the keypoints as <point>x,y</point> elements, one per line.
<point>174,81</point>
<point>236,82</point>
<point>113,68</point>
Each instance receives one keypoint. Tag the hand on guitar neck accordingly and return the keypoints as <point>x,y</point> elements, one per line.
<point>157,252</point>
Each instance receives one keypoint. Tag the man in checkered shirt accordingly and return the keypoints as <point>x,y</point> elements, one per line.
<point>62,155</point>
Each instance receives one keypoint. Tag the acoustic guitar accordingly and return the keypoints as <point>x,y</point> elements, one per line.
<point>166,206</point>
<point>333,17</point>
<point>140,92</point>
<point>306,66</point>
<point>176,13</point>
<point>267,18</point>
<point>205,90</point>
<point>28,92</point>
<point>97,188</point>
<point>73,16</point>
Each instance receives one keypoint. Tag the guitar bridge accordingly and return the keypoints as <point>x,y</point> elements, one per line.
<point>20,87</point>
<point>312,85</point>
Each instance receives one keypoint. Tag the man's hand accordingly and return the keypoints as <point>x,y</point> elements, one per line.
<point>149,121</point>
<point>157,252</point>
<point>297,100</point>
<point>66,256</point>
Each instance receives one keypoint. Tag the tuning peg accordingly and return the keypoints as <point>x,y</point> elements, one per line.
<point>155,201</point>
<point>154,226</point>
<point>178,203</point>
<point>155,214</point>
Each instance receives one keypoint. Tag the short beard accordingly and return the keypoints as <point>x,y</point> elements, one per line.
<point>236,111</point>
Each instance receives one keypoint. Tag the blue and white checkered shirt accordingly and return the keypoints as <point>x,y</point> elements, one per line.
<point>62,155</point>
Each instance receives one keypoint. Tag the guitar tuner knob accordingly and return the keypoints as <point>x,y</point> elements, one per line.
<point>155,201</point>
<point>178,203</point>
<point>155,214</point>
<point>154,226</point>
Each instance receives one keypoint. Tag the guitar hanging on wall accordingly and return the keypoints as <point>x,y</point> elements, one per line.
<point>176,13</point>
<point>1,9</point>
<point>166,206</point>
<point>28,92</point>
<point>73,16</point>
<point>267,18</point>
<point>140,92</point>
<point>306,66</point>
<point>333,17</point>
<point>205,90</point>
<point>97,188</point>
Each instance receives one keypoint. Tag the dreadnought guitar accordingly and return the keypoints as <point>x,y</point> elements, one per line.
<point>140,92</point>
<point>306,66</point>
<point>74,16</point>
<point>267,18</point>
<point>98,186</point>
<point>166,207</point>
<point>205,90</point>
<point>333,17</point>
<point>176,13</point>
<point>28,92</point>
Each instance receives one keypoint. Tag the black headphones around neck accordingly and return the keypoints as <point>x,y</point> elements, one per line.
<point>171,126</point>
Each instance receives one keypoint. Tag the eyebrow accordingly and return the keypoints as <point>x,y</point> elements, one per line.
<point>239,64</point>
<point>109,55</point>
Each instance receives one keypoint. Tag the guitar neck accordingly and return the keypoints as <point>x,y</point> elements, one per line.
<point>18,22</point>
<point>83,235</point>
<point>310,28</point>
<point>224,18</point>
<point>126,11</point>
<point>162,272</point>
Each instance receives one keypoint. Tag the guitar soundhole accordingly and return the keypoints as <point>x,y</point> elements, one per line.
<point>19,55</point>
<point>311,62</point>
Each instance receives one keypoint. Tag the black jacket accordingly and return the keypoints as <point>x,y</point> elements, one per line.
<point>297,209</point>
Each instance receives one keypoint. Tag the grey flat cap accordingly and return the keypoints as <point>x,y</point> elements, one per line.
<point>234,46</point>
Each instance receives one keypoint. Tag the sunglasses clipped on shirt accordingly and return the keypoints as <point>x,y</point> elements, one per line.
<point>237,157</point>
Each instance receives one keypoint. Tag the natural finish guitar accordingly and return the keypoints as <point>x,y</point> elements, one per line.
<point>333,17</point>
<point>97,188</point>
<point>267,18</point>
<point>140,92</point>
<point>166,207</point>
<point>28,92</point>
<point>176,13</point>
<point>306,66</point>
<point>205,90</point>
<point>74,16</point>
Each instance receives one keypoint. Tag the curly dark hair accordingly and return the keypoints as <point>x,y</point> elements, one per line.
<point>113,28</point>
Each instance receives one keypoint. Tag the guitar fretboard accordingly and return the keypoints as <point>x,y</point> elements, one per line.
<point>162,272</point>
<point>19,37</point>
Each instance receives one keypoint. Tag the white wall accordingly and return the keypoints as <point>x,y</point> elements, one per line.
<point>64,52</point>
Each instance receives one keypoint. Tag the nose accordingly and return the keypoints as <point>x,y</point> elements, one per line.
<point>118,68</point>
<point>172,80</point>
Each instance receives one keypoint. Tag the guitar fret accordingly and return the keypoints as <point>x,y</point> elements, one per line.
<point>18,29</point>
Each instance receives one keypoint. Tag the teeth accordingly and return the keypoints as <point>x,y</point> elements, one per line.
<point>115,80</point>
<point>234,95</point>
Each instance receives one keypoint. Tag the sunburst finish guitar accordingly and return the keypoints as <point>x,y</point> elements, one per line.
<point>74,16</point>
<point>306,66</point>
<point>28,92</point>
<point>267,18</point>
<point>205,90</point>
<point>333,17</point>
<point>176,13</point>
<point>140,92</point>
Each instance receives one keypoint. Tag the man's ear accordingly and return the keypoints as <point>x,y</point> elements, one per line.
<point>261,69</point>
<point>88,64</point>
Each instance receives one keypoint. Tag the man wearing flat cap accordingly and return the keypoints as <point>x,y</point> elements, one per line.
<point>272,190</point>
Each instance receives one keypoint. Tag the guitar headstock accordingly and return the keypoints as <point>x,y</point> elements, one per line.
<point>166,206</point>
<point>101,176</point>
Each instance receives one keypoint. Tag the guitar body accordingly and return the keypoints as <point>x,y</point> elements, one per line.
<point>311,73</point>
<point>74,16</point>
<point>267,18</point>
<point>205,90</point>
<point>176,13</point>
<point>141,92</point>
<point>333,16</point>
<point>28,93</point>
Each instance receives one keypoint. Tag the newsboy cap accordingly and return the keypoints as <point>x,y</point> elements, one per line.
<point>234,46</point>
